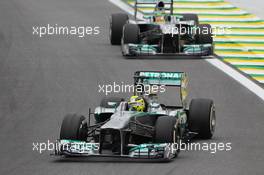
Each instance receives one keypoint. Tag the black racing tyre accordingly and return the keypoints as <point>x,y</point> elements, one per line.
<point>164,129</point>
<point>204,34</point>
<point>117,21</point>
<point>131,34</point>
<point>167,131</point>
<point>201,118</point>
<point>72,129</point>
<point>106,102</point>
<point>190,17</point>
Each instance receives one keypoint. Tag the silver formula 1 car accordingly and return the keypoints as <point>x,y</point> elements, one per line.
<point>154,133</point>
<point>161,33</point>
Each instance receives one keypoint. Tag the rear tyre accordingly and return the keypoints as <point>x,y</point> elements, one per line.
<point>131,34</point>
<point>72,128</point>
<point>202,118</point>
<point>117,21</point>
<point>165,127</point>
<point>190,17</point>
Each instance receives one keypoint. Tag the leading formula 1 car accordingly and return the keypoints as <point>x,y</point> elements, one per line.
<point>140,128</point>
<point>161,33</point>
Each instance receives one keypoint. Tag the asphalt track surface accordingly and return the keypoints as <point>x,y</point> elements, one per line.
<point>43,79</point>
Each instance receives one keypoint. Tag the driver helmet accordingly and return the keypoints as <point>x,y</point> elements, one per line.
<point>136,103</point>
<point>160,6</point>
<point>160,12</point>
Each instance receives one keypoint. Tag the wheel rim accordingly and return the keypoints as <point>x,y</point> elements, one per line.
<point>212,120</point>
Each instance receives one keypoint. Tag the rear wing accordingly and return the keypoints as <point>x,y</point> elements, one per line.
<point>153,2</point>
<point>160,78</point>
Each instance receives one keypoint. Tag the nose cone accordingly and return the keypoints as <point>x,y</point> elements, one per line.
<point>119,120</point>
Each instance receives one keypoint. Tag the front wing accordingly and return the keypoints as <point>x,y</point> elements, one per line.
<point>73,148</point>
<point>152,50</point>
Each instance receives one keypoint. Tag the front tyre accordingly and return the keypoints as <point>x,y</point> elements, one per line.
<point>117,21</point>
<point>167,131</point>
<point>204,36</point>
<point>202,118</point>
<point>72,128</point>
<point>131,34</point>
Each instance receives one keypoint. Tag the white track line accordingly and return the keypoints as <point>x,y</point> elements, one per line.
<point>252,86</point>
<point>246,82</point>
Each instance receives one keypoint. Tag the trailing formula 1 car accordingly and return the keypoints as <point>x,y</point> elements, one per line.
<point>161,33</point>
<point>141,127</point>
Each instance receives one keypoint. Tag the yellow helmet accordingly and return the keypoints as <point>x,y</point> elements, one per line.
<point>136,103</point>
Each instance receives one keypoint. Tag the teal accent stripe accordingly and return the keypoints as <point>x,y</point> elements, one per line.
<point>241,58</point>
<point>257,76</point>
<point>241,50</point>
<point>229,15</point>
<point>239,42</point>
<point>244,58</point>
<point>242,21</point>
<point>194,8</point>
<point>249,66</point>
<point>246,35</point>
